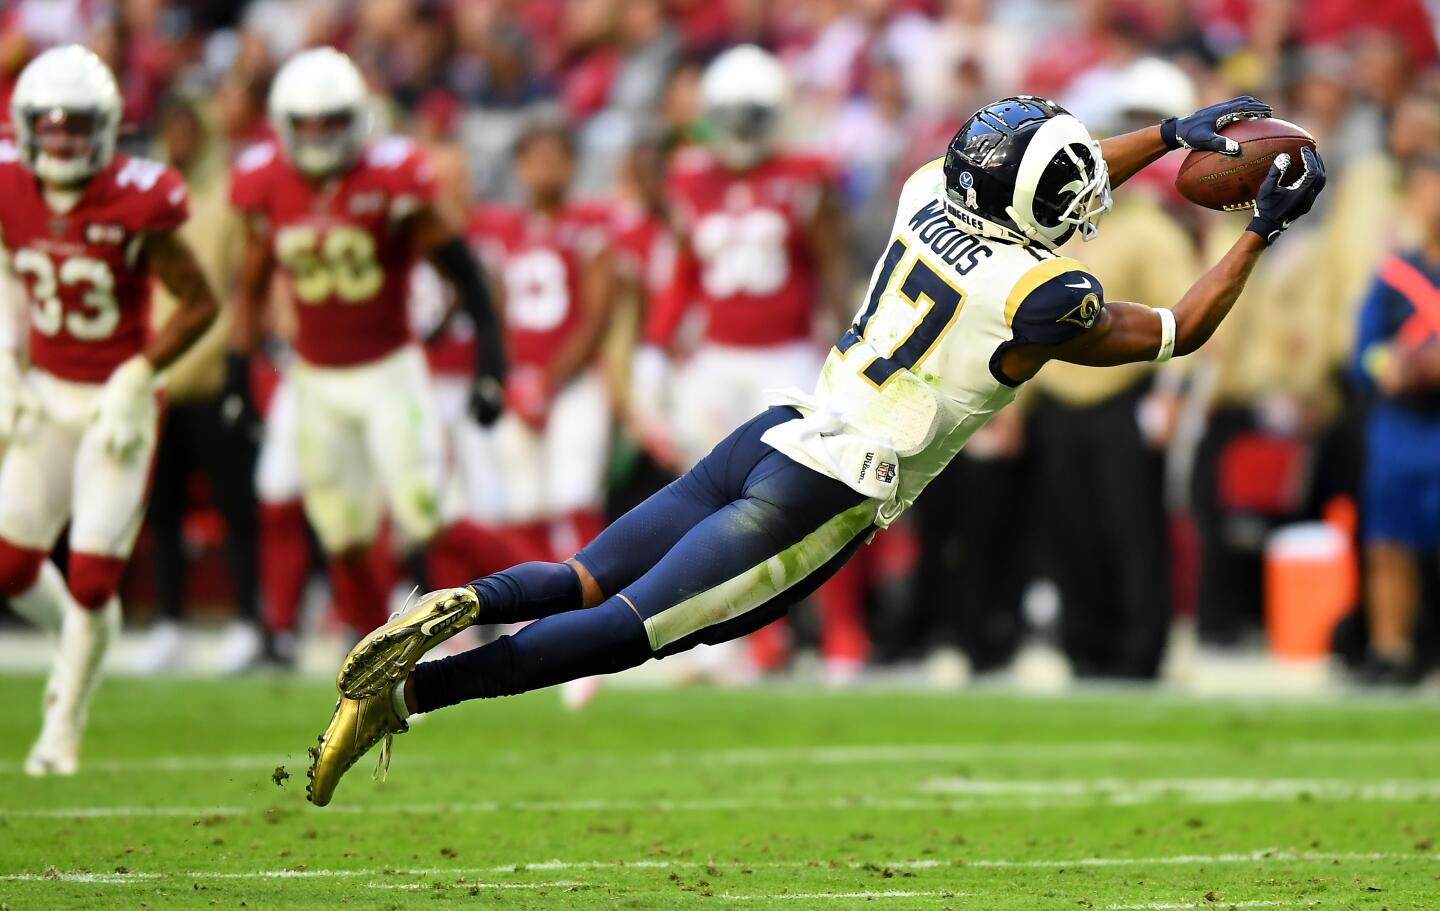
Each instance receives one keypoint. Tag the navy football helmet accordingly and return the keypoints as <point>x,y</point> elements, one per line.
<point>1024,170</point>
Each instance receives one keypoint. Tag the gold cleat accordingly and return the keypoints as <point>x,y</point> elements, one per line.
<point>356,726</point>
<point>389,653</point>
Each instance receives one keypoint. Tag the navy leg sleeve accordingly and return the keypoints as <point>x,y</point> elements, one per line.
<point>527,592</point>
<point>580,643</point>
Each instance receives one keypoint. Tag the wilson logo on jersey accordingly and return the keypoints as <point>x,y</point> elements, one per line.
<point>1084,314</point>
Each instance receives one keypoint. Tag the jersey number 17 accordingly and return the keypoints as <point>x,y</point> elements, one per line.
<point>922,287</point>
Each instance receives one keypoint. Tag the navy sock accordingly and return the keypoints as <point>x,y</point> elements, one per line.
<point>579,643</point>
<point>528,592</point>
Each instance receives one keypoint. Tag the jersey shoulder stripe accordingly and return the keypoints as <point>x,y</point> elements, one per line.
<point>1037,275</point>
<point>926,168</point>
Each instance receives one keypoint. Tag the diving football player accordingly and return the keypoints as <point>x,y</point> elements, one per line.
<point>968,301</point>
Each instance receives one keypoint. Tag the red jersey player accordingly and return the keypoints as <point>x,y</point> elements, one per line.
<point>759,251</point>
<point>558,283</point>
<point>85,229</point>
<point>344,220</point>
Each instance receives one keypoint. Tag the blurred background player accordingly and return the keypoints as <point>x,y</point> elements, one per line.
<point>345,219</point>
<point>760,253</point>
<point>552,257</point>
<point>85,229</point>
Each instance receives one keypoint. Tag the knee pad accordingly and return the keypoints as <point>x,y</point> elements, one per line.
<point>94,580</point>
<point>19,568</point>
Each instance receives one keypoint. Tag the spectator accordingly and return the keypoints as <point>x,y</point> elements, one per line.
<point>1397,359</point>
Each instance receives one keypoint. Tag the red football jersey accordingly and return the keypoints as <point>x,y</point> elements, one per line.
<point>340,244</point>
<point>87,282</point>
<point>747,262</point>
<point>539,260</point>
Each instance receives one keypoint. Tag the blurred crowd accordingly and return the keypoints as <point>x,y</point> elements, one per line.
<point>1101,507</point>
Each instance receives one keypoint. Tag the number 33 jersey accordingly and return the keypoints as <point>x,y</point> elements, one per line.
<point>918,371</point>
<point>84,270</point>
<point>341,244</point>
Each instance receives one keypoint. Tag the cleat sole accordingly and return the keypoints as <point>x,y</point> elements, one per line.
<point>390,653</point>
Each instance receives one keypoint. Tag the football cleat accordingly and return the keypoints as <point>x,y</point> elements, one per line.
<point>389,653</point>
<point>57,751</point>
<point>356,726</point>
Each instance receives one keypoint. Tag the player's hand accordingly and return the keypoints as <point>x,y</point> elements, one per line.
<point>487,400</point>
<point>527,395</point>
<point>19,407</point>
<point>237,404</point>
<point>126,413</point>
<point>1277,205</point>
<point>1201,130</point>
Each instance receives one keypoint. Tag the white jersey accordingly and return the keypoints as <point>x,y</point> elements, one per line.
<point>918,372</point>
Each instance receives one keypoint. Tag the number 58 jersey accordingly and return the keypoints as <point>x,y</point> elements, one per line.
<point>84,270</point>
<point>341,244</point>
<point>918,372</point>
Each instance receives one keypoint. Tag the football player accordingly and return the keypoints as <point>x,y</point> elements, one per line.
<point>558,286</point>
<point>85,228</point>
<point>759,249</point>
<point>967,302</point>
<point>344,218</point>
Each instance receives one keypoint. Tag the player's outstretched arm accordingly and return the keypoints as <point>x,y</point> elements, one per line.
<point>173,263</point>
<point>1127,333</point>
<point>1129,153</point>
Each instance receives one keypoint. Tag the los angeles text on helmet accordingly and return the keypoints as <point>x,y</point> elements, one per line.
<point>947,241</point>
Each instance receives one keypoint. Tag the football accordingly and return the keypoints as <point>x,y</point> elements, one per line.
<point>1229,182</point>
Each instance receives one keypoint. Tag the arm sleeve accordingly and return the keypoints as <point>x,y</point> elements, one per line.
<point>1054,302</point>
<point>459,265</point>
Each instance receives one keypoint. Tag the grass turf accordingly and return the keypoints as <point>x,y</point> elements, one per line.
<point>767,798</point>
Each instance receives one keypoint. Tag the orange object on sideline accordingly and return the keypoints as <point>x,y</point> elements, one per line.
<point>1310,584</point>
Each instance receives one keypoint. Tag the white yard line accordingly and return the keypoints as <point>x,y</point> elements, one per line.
<point>1219,903</point>
<point>1195,790</point>
<point>864,754</point>
<point>552,866</point>
<point>947,794</point>
<point>418,887</point>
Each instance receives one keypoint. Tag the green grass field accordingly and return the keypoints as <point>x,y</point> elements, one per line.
<point>764,798</point>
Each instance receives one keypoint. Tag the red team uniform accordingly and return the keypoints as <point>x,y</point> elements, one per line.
<point>88,287</point>
<point>365,408</point>
<point>747,265</point>
<point>554,473</point>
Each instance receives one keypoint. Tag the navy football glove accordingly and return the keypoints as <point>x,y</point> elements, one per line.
<point>1201,130</point>
<point>1277,205</point>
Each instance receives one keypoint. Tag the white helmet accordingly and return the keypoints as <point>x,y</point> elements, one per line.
<point>323,85</point>
<point>1155,87</point>
<point>71,88</point>
<point>743,92</point>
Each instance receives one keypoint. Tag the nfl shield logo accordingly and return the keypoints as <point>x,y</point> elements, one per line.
<point>885,471</point>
